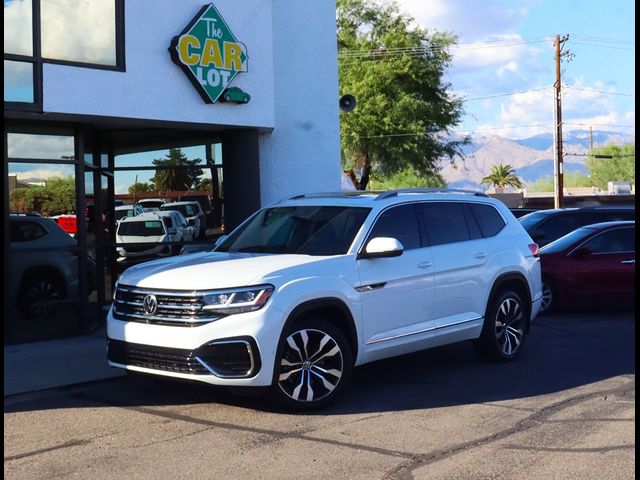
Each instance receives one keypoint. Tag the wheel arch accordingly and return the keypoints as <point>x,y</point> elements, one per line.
<point>332,309</point>
<point>518,283</point>
<point>38,271</point>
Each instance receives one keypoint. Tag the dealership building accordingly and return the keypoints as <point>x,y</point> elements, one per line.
<point>107,99</point>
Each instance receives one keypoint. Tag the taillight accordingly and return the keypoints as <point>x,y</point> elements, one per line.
<point>535,250</point>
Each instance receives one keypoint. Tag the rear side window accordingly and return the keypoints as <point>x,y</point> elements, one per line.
<point>489,220</point>
<point>614,241</point>
<point>444,223</point>
<point>400,223</point>
<point>26,231</point>
<point>554,228</point>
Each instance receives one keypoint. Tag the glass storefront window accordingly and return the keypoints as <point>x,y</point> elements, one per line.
<point>18,81</point>
<point>79,31</point>
<point>45,147</point>
<point>18,33</point>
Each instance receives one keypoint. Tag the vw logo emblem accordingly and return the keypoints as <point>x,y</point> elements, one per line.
<point>150,304</point>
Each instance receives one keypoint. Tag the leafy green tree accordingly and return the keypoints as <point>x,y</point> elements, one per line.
<point>621,167</point>
<point>205,184</point>
<point>404,111</point>
<point>407,178</point>
<point>185,177</point>
<point>57,196</point>
<point>570,180</point>
<point>502,175</point>
<point>142,187</point>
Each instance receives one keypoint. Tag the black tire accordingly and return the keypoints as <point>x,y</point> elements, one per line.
<point>39,294</point>
<point>549,302</point>
<point>505,327</point>
<point>323,372</point>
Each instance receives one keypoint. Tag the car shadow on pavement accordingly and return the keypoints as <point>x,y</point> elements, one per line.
<point>561,352</point>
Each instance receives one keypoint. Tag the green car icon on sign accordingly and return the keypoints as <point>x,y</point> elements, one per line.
<point>235,94</point>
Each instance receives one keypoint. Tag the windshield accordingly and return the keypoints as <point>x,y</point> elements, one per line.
<point>186,210</point>
<point>125,212</point>
<point>151,228</point>
<point>306,230</point>
<point>565,242</point>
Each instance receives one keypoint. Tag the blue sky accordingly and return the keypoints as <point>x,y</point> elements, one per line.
<point>507,46</point>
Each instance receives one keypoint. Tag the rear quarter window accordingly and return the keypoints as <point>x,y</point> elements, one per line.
<point>489,220</point>
<point>25,231</point>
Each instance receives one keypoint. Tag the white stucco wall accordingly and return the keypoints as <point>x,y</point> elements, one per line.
<point>155,88</point>
<point>292,79</point>
<point>302,154</point>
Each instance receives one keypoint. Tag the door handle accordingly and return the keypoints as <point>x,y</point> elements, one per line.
<point>480,255</point>
<point>425,264</point>
<point>628,261</point>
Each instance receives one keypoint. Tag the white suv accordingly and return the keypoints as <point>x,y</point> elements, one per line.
<point>308,288</point>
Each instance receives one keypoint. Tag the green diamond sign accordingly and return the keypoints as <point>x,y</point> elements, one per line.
<point>209,54</point>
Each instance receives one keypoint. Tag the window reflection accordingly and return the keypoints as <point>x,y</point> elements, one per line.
<point>49,147</point>
<point>79,30</point>
<point>18,81</point>
<point>18,36</point>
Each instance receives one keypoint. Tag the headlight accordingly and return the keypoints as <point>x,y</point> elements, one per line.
<point>237,300</point>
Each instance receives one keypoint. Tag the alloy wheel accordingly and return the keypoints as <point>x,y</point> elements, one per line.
<point>547,297</point>
<point>311,365</point>
<point>40,297</point>
<point>509,326</point>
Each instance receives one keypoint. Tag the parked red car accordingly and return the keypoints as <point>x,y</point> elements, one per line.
<point>592,265</point>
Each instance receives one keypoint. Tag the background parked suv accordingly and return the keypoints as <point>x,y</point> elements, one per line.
<point>192,212</point>
<point>545,226</point>
<point>309,288</point>
<point>43,266</point>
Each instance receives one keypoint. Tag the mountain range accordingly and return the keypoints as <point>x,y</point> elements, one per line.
<point>531,158</point>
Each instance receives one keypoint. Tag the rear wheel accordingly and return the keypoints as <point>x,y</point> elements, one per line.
<point>549,296</point>
<point>505,327</point>
<point>313,364</point>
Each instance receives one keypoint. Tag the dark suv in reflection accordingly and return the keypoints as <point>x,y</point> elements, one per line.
<point>545,226</point>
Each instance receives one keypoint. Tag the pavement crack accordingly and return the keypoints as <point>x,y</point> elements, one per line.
<point>404,471</point>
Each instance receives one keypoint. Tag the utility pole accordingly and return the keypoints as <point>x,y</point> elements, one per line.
<point>590,138</point>
<point>559,169</point>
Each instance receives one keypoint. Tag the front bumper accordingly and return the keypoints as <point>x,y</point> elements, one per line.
<point>188,352</point>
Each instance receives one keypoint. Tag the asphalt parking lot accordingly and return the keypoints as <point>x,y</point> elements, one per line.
<point>564,409</point>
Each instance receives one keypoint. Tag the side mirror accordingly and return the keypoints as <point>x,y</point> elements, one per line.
<point>172,231</point>
<point>582,252</point>
<point>220,240</point>
<point>382,247</point>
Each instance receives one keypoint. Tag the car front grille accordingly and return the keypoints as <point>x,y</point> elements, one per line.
<point>156,358</point>
<point>133,249</point>
<point>230,358</point>
<point>172,307</point>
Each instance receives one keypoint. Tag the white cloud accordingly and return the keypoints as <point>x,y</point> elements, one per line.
<point>44,172</point>
<point>52,147</point>
<point>17,27</point>
<point>469,19</point>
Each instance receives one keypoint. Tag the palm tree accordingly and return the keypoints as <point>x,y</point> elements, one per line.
<point>501,176</point>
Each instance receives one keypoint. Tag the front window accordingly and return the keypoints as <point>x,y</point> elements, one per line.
<point>305,230</point>
<point>566,241</point>
<point>152,228</point>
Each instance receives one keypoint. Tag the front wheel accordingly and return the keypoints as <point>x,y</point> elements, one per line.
<point>505,327</point>
<point>313,364</point>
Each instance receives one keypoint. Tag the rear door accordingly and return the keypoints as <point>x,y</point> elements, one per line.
<point>459,255</point>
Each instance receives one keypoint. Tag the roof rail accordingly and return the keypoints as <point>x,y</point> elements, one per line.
<point>394,193</point>
<point>353,193</point>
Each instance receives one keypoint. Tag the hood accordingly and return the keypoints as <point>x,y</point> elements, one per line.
<point>210,270</point>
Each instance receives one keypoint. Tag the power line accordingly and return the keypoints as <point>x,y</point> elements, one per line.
<point>600,91</point>
<point>578,42</point>
<point>598,155</point>
<point>603,39</point>
<point>454,131</point>
<point>506,94</point>
<point>600,125</point>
